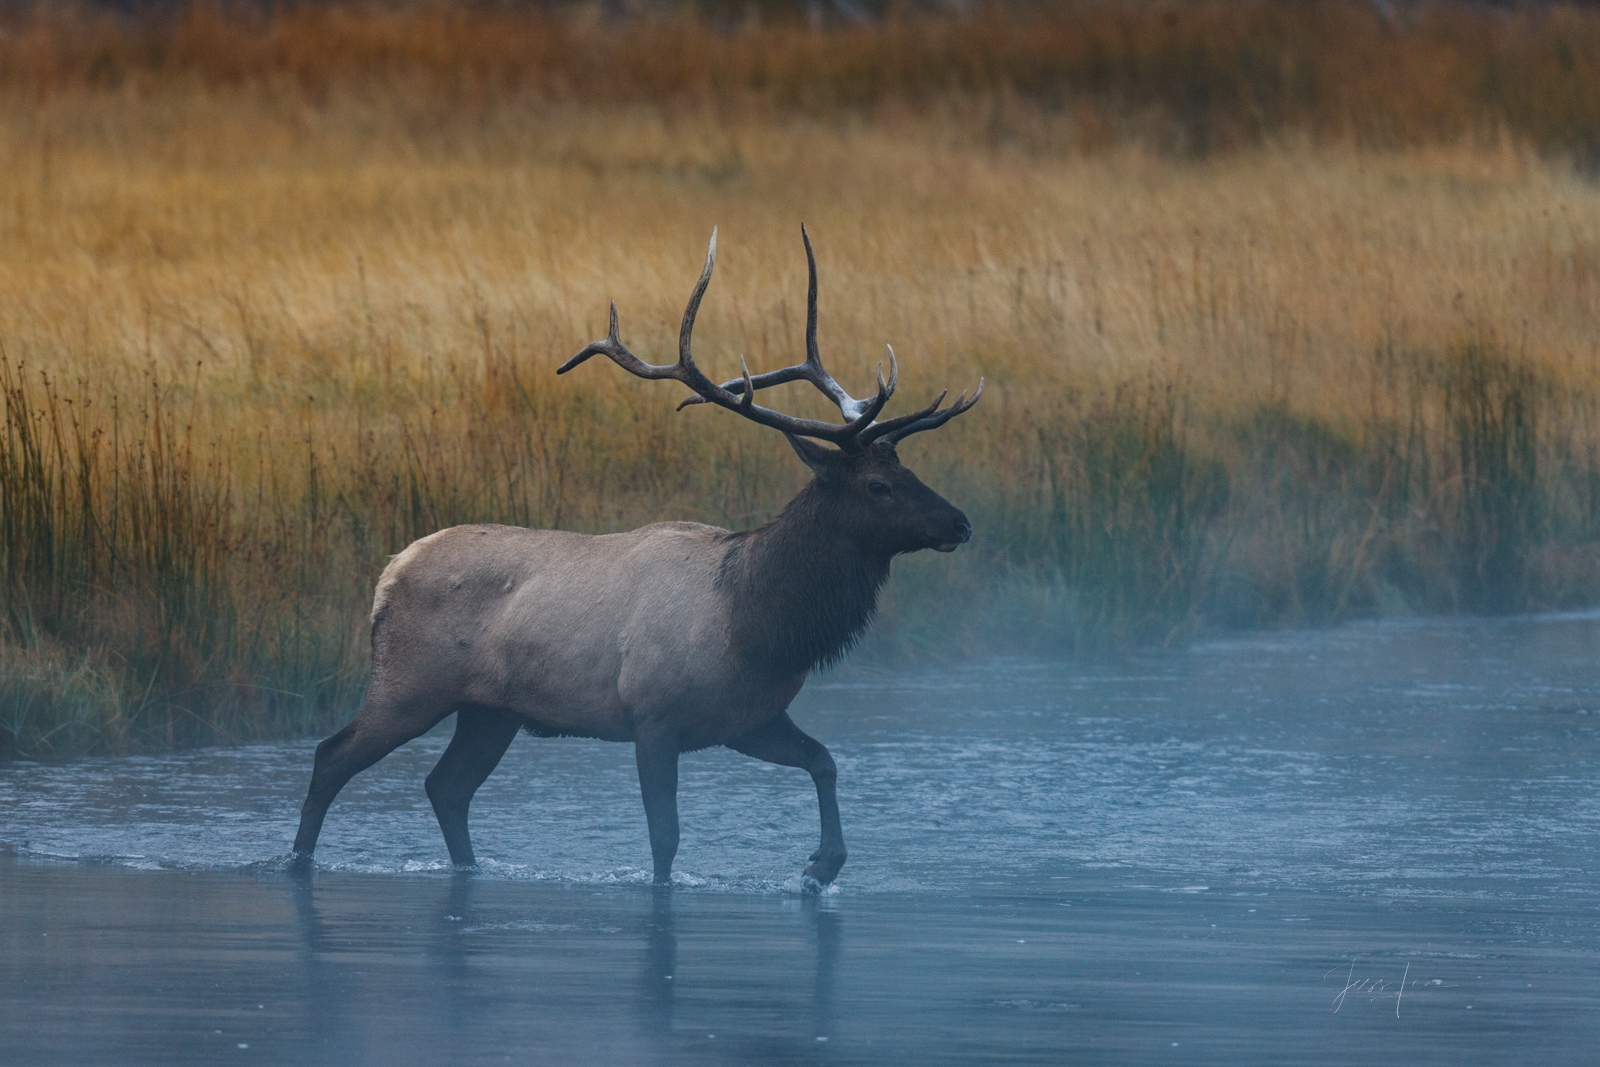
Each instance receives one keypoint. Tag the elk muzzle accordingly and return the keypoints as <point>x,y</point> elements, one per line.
<point>961,530</point>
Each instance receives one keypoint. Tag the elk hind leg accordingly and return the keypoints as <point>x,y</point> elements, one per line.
<point>780,741</point>
<point>377,730</point>
<point>481,738</point>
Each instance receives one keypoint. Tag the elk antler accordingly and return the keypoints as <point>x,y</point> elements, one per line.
<point>812,370</point>
<point>738,394</point>
<point>929,418</point>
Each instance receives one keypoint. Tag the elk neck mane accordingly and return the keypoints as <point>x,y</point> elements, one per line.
<point>802,593</point>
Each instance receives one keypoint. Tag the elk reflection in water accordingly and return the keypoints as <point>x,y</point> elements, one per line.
<point>466,973</point>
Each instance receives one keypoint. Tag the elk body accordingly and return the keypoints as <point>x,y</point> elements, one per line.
<point>675,636</point>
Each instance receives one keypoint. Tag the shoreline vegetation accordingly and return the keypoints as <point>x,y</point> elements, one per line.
<point>1289,314</point>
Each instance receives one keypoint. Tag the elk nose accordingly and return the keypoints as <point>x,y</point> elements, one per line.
<point>963,529</point>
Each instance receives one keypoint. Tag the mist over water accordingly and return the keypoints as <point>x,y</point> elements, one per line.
<point>1400,760</point>
<point>1043,857</point>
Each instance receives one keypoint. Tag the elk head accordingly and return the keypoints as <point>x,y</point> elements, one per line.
<point>861,487</point>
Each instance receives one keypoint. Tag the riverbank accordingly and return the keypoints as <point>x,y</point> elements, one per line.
<point>260,329</point>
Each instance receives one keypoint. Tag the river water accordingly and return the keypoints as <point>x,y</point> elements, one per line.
<point>1376,842</point>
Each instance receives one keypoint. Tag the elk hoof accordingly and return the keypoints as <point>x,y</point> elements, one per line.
<point>824,866</point>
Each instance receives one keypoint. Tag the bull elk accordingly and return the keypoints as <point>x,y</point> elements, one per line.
<point>675,636</point>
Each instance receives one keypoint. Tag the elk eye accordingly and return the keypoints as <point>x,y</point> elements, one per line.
<point>878,488</point>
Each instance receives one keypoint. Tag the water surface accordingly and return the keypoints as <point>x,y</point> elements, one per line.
<point>1181,857</point>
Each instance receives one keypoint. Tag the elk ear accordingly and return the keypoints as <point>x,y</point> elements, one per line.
<point>821,460</point>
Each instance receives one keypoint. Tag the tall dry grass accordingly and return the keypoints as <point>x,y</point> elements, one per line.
<point>258,332</point>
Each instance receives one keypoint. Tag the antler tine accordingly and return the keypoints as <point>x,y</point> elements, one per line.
<point>816,374</point>
<point>613,347</point>
<point>898,429</point>
<point>894,373</point>
<point>686,331</point>
<point>749,390</point>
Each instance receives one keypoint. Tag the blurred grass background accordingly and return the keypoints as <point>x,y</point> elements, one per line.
<point>1288,313</point>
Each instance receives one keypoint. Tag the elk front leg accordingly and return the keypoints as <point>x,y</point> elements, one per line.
<point>657,755</point>
<point>780,741</point>
<point>481,738</point>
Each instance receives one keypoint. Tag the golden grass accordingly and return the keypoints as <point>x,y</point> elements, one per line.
<point>257,336</point>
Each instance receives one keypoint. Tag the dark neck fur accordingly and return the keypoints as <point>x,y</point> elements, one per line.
<point>802,592</point>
